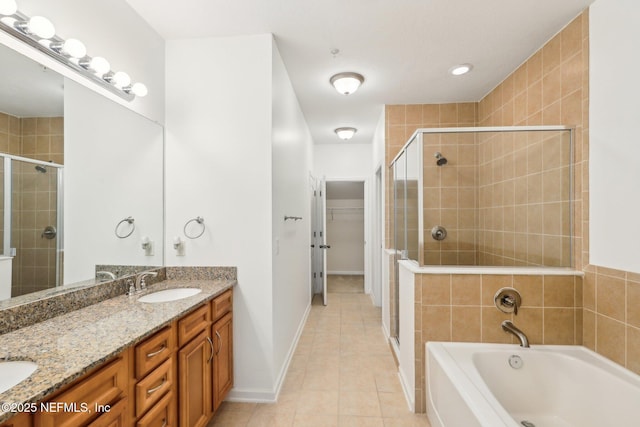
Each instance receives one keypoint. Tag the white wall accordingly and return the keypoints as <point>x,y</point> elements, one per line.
<point>113,169</point>
<point>342,160</point>
<point>614,168</point>
<point>378,196</point>
<point>406,333</point>
<point>218,166</point>
<point>115,31</point>
<point>291,160</point>
<point>345,234</point>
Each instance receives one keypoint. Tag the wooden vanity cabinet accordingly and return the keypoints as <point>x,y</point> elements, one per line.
<point>222,335</point>
<point>194,368</point>
<point>179,376</point>
<point>153,384</point>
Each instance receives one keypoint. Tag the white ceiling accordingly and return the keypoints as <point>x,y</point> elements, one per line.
<point>404,48</point>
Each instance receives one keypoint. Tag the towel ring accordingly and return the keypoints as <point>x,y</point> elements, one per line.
<point>200,221</point>
<point>128,220</point>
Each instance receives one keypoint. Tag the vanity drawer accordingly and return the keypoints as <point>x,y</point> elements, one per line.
<point>150,389</point>
<point>103,387</point>
<point>153,351</point>
<point>163,414</point>
<point>194,323</point>
<point>114,417</point>
<point>222,304</point>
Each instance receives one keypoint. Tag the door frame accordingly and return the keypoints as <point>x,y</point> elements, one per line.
<point>367,225</point>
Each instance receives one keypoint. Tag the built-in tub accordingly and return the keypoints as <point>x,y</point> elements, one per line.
<point>494,385</point>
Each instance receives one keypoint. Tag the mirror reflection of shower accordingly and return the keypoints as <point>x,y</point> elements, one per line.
<point>30,224</point>
<point>440,159</point>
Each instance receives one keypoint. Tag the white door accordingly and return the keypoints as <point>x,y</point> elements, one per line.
<point>323,238</point>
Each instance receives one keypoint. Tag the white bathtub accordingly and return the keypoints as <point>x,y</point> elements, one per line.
<point>472,385</point>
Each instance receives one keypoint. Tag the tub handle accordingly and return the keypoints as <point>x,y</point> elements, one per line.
<point>507,300</point>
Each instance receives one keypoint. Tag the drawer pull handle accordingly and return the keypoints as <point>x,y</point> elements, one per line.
<point>155,353</point>
<point>153,390</point>
<point>220,341</point>
<point>210,345</point>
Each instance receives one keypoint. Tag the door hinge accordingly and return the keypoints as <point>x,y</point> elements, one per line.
<point>321,276</point>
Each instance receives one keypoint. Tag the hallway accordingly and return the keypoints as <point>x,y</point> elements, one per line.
<point>342,374</point>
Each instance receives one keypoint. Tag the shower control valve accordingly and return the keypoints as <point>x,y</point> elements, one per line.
<point>438,232</point>
<point>507,300</point>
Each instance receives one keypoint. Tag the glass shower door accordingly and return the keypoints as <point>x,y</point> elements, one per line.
<point>34,226</point>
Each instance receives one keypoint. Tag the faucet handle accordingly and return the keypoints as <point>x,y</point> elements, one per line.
<point>507,300</point>
<point>131,287</point>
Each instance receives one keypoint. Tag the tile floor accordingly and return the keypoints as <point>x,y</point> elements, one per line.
<point>342,374</point>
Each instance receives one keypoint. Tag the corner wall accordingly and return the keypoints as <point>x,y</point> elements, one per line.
<point>291,164</point>
<point>218,166</point>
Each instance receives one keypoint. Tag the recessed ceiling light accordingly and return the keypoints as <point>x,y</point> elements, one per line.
<point>346,83</point>
<point>461,69</point>
<point>345,133</point>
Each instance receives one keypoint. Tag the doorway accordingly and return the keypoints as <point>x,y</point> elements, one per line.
<point>345,231</point>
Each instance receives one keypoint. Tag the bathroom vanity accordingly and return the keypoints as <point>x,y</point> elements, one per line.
<point>122,362</point>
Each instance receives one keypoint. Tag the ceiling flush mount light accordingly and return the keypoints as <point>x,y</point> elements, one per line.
<point>345,133</point>
<point>346,83</point>
<point>461,69</point>
<point>38,32</point>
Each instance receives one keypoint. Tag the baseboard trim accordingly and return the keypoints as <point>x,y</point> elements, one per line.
<point>264,395</point>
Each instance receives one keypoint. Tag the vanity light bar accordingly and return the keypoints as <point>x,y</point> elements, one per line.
<point>38,32</point>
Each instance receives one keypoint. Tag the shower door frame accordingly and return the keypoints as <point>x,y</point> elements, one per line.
<point>418,137</point>
<point>7,250</point>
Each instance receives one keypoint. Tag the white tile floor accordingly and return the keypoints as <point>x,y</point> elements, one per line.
<point>342,374</point>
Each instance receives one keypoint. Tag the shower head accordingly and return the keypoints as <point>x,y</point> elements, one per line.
<point>41,169</point>
<point>440,159</point>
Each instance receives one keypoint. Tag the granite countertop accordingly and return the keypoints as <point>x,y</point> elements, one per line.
<point>67,346</point>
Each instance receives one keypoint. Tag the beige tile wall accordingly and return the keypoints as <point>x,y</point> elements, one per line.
<point>524,199</point>
<point>34,199</point>
<point>550,88</point>
<point>401,123</point>
<point>457,307</point>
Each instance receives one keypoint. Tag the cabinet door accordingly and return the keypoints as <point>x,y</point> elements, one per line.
<point>23,419</point>
<point>222,359</point>
<point>194,381</point>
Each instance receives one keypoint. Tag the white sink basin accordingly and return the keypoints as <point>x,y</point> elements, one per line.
<point>169,295</point>
<point>14,372</point>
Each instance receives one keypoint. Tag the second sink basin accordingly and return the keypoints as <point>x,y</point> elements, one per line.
<point>169,295</point>
<point>13,372</point>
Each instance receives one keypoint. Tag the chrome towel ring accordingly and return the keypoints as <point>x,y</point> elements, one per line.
<point>129,220</point>
<point>200,221</point>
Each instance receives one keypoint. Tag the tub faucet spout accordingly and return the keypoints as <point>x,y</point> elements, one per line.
<point>509,327</point>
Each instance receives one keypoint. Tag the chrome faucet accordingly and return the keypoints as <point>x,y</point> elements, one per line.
<point>109,275</point>
<point>509,327</point>
<point>141,284</point>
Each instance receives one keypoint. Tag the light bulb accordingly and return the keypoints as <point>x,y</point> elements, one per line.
<point>99,65</point>
<point>139,89</point>
<point>121,79</point>
<point>41,27</point>
<point>74,48</point>
<point>8,7</point>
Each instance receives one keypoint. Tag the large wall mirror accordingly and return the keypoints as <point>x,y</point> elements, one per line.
<point>81,182</point>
